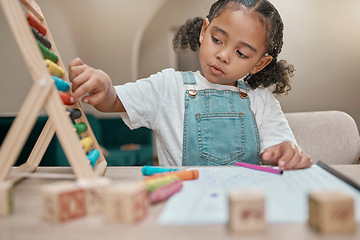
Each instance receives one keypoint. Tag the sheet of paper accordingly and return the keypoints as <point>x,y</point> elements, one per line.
<point>204,201</point>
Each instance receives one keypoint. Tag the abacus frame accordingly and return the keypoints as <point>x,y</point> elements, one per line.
<point>43,93</point>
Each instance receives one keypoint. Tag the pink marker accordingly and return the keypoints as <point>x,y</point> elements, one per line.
<point>165,192</point>
<point>260,168</point>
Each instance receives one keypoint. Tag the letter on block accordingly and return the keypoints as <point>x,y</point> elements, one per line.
<point>331,211</point>
<point>126,203</point>
<point>95,193</point>
<point>6,199</point>
<point>63,201</point>
<point>246,211</point>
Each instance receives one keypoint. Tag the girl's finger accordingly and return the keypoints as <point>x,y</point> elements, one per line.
<point>285,159</point>
<point>305,162</point>
<point>270,154</point>
<point>94,98</point>
<point>76,62</point>
<point>76,71</point>
<point>81,79</point>
<point>83,86</point>
<point>294,160</point>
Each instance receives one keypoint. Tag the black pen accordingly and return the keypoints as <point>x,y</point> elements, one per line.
<point>338,175</point>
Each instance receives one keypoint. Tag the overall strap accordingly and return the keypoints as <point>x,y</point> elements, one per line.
<point>242,85</point>
<point>188,78</point>
<point>190,83</point>
<point>243,89</point>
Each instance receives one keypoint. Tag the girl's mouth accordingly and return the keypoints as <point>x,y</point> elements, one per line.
<point>216,70</point>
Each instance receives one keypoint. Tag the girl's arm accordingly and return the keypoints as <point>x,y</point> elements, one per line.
<point>279,143</point>
<point>97,84</point>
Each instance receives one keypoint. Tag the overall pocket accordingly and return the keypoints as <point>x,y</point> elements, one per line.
<point>221,137</point>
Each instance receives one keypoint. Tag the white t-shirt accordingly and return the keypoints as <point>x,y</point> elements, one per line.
<point>158,103</point>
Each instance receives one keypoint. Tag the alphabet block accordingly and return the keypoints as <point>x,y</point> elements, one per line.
<point>6,199</point>
<point>126,203</point>
<point>331,211</point>
<point>63,201</point>
<point>246,211</point>
<point>95,193</point>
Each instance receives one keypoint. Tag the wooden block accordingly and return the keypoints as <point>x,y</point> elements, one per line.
<point>246,211</point>
<point>126,203</point>
<point>6,199</point>
<point>332,211</point>
<point>63,201</point>
<point>95,193</point>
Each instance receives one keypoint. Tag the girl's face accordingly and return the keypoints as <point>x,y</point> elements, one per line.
<point>232,45</point>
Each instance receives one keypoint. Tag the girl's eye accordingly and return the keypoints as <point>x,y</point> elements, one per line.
<point>215,40</point>
<point>240,54</point>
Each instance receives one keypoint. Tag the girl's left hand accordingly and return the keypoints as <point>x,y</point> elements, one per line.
<point>287,156</point>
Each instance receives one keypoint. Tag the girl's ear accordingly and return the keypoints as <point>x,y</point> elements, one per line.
<point>205,25</point>
<point>261,64</point>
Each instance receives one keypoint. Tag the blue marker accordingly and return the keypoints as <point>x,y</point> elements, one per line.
<point>150,170</point>
<point>93,156</point>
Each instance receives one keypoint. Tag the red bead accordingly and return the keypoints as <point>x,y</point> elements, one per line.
<point>36,24</point>
<point>67,98</point>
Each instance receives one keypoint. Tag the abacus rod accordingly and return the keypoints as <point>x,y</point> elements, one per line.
<point>41,144</point>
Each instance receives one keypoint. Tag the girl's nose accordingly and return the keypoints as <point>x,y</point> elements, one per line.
<point>224,55</point>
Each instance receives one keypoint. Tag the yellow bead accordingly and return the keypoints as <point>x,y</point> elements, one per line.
<point>54,69</point>
<point>86,142</point>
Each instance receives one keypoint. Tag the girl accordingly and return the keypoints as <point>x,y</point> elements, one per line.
<point>222,113</point>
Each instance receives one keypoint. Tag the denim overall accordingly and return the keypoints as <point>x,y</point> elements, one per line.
<point>219,126</point>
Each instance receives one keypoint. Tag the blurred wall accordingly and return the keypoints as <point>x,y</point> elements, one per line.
<point>132,39</point>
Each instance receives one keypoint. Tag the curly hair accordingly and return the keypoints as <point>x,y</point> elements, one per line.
<point>276,74</point>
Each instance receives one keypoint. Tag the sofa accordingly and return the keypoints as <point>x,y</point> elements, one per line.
<point>329,136</point>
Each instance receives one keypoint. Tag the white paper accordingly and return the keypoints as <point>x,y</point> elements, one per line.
<point>204,201</point>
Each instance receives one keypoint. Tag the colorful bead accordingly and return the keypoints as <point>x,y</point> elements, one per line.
<point>47,54</point>
<point>61,85</point>
<point>54,69</point>
<point>67,98</point>
<point>86,142</point>
<point>80,128</point>
<point>93,156</point>
<point>36,24</point>
<point>41,38</point>
<point>74,113</point>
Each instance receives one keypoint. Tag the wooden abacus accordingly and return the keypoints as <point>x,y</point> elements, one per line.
<point>43,93</point>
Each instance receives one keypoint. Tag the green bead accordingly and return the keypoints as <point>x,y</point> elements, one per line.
<point>47,54</point>
<point>80,128</point>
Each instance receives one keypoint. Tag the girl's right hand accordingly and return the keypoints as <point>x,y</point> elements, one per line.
<point>87,80</point>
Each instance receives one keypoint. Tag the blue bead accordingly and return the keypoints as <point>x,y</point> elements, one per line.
<point>93,156</point>
<point>61,85</point>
